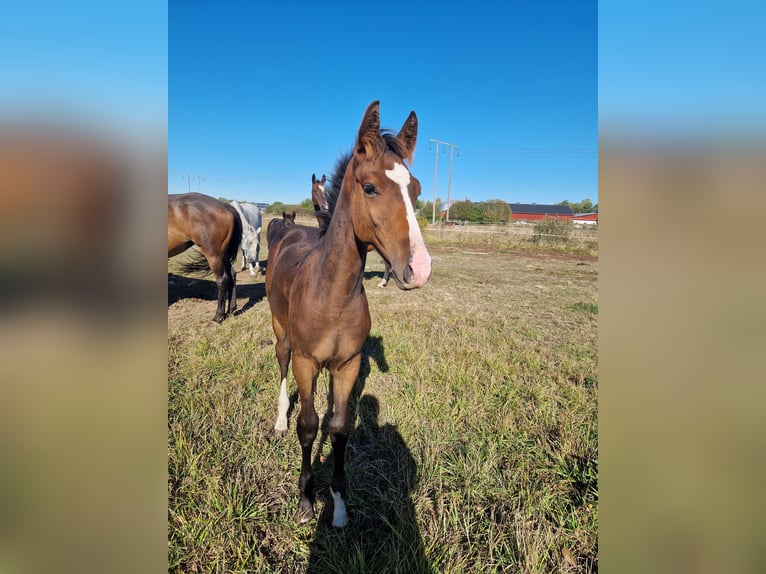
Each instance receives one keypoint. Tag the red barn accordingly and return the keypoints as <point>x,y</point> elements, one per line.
<point>535,211</point>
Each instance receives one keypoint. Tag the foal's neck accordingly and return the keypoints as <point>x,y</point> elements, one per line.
<point>343,256</point>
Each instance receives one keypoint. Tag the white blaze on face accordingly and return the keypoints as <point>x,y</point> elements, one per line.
<point>421,260</point>
<point>325,205</point>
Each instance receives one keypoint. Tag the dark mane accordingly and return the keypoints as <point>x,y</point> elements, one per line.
<point>392,144</point>
<point>332,189</point>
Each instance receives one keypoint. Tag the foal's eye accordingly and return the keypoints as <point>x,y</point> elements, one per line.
<point>369,190</point>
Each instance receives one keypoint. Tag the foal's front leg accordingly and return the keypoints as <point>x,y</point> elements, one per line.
<point>283,357</point>
<point>305,372</point>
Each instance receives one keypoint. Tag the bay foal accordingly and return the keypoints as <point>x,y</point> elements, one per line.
<point>374,207</point>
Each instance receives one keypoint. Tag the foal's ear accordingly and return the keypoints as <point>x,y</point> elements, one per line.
<point>408,135</point>
<point>368,140</point>
<point>324,179</point>
<point>313,178</point>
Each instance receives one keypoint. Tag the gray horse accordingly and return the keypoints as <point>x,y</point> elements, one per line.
<point>251,234</point>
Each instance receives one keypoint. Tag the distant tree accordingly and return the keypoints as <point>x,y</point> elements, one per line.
<point>584,206</point>
<point>427,210</point>
<point>307,203</point>
<point>464,211</point>
<point>496,211</point>
<point>276,207</point>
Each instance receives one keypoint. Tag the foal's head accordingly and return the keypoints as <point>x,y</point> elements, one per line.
<point>382,195</point>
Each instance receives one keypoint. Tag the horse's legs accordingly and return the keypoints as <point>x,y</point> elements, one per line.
<point>343,382</point>
<point>283,357</point>
<point>244,261</point>
<point>223,280</point>
<point>232,292</point>
<point>305,372</point>
<point>386,275</point>
<point>257,255</point>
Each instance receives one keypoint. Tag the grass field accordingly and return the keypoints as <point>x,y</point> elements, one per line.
<point>475,439</point>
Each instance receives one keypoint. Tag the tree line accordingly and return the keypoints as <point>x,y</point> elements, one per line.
<point>584,206</point>
<point>492,211</point>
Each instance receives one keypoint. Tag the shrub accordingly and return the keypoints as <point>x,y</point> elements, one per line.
<point>552,230</point>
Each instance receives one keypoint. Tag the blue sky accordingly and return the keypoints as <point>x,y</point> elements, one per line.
<point>80,61</point>
<point>682,69</point>
<point>262,95</point>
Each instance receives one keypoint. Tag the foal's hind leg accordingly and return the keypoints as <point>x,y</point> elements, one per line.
<point>343,383</point>
<point>283,357</point>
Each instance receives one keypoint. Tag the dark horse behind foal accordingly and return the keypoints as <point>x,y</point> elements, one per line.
<point>277,227</point>
<point>374,207</point>
<point>216,229</point>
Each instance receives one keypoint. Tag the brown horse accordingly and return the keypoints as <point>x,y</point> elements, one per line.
<point>374,206</point>
<point>318,197</point>
<point>216,229</point>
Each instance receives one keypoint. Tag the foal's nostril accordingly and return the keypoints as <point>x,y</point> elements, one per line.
<point>408,276</point>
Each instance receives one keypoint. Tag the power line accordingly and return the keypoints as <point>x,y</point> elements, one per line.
<point>531,151</point>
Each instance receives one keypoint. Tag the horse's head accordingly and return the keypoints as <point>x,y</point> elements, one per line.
<point>318,193</point>
<point>251,239</point>
<point>383,193</point>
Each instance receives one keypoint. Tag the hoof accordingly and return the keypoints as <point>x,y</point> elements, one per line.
<point>281,433</point>
<point>339,514</point>
<point>305,512</point>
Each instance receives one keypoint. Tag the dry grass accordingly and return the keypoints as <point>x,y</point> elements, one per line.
<point>475,445</point>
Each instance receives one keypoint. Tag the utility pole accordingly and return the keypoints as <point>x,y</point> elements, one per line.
<point>189,177</point>
<point>436,170</point>
<point>436,166</point>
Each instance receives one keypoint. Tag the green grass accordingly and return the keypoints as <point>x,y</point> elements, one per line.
<point>474,445</point>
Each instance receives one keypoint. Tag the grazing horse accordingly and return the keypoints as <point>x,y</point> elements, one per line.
<point>373,207</point>
<point>251,235</point>
<point>216,229</point>
<point>319,193</point>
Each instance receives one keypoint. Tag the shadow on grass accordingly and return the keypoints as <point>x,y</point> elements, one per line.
<point>183,287</point>
<point>382,534</point>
